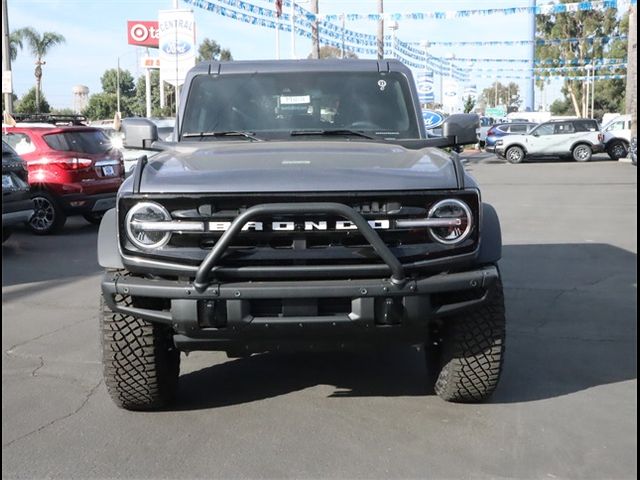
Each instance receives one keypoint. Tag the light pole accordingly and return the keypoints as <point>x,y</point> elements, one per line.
<point>380,32</point>
<point>393,27</point>
<point>343,33</point>
<point>6,60</point>
<point>293,29</point>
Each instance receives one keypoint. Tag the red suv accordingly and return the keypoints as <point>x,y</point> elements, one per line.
<point>72,170</point>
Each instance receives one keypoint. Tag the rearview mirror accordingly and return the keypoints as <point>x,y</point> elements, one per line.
<point>139,133</point>
<point>461,128</point>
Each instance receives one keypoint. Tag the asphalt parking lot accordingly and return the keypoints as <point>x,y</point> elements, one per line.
<point>566,406</point>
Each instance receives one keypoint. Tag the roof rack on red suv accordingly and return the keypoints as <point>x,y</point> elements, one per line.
<point>54,119</point>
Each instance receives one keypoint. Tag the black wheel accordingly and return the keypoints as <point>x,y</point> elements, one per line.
<point>582,153</point>
<point>93,217</point>
<point>617,149</point>
<point>47,216</point>
<point>466,362</point>
<point>6,233</point>
<point>141,364</point>
<point>514,154</point>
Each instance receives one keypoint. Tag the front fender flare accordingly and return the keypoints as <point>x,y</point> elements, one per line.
<point>491,236</point>
<point>108,253</point>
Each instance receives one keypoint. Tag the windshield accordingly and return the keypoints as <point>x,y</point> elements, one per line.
<point>274,104</point>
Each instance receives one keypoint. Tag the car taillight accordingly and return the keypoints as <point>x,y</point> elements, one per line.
<point>73,163</point>
<point>491,131</point>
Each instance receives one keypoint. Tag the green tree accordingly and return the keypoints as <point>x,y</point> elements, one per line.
<point>585,25</point>
<point>29,103</point>
<point>561,107</point>
<point>15,43</point>
<point>40,46</point>
<point>104,105</point>
<point>109,82</point>
<point>211,50</point>
<point>101,106</point>
<point>469,103</point>
<point>63,111</point>
<point>140,97</point>
<point>499,94</point>
<point>328,51</point>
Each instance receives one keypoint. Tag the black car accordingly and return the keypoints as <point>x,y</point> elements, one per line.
<point>17,206</point>
<point>301,207</point>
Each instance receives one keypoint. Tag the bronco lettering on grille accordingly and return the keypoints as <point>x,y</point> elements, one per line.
<point>339,225</point>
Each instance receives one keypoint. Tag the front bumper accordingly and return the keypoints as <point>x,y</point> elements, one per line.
<point>231,316</point>
<point>16,212</point>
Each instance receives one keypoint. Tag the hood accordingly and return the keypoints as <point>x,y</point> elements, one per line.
<point>296,166</point>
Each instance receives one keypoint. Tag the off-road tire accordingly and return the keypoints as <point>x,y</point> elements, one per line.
<point>140,363</point>
<point>582,153</point>
<point>617,149</point>
<point>466,366</point>
<point>514,154</point>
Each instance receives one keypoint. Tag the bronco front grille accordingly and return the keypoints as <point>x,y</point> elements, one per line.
<point>303,239</point>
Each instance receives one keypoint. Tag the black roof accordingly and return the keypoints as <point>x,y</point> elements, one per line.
<point>272,66</point>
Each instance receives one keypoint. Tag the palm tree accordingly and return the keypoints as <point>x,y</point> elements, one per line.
<point>39,45</point>
<point>15,43</point>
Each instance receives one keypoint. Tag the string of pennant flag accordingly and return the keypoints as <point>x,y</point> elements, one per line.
<point>546,9</point>
<point>338,36</point>
<point>554,41</point>
<point>548,61</point>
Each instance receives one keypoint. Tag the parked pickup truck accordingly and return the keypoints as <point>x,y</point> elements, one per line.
<point>301,206</point>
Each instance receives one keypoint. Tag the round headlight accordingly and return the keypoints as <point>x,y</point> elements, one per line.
<point>139,224</point>
<point>460,227</point>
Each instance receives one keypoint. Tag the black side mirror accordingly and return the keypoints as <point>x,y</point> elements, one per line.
<point>139,133</point>
<point>535,134</point>
<point>462,128</point>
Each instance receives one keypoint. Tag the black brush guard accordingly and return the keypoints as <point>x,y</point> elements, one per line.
<point>209,263</point>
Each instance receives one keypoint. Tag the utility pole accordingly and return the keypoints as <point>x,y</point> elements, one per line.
<point>6,60</point>
<point>293,29</point>
<point>632,71</point>
<point>380,39</point>
<point>531,84</point>
<point>393,27</point>
<point>118,88</point>
<point>344,16</point>
<point>593,91</point>
<point>315,40</point>
<point>585,95</point>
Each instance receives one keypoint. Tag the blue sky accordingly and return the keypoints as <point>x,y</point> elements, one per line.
<point>96,36</point>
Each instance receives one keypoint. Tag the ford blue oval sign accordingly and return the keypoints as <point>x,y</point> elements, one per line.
<point>432,119</point>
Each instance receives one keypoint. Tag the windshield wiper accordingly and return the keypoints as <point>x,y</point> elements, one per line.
<point>331,132</point>
<point>227,133</point>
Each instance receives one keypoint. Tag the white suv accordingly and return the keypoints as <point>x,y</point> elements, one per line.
<point>617,137</point>
<point>574,138</point>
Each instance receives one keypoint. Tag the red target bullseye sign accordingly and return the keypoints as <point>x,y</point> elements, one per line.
<point>143,33</point>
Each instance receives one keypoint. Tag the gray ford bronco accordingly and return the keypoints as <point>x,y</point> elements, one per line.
<point>300,205</point>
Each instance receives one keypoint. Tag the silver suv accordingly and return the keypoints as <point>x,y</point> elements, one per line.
<point>576,138</point>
